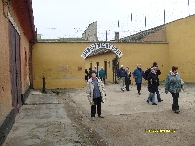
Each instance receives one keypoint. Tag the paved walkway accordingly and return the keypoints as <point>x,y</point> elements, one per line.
<point>44,122</point>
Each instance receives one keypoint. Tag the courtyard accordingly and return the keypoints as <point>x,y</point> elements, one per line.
<point>127,116</point>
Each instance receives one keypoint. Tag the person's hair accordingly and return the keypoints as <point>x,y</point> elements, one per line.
<point>127,67</point>
<point>174,68</point>
<point>93,71</point>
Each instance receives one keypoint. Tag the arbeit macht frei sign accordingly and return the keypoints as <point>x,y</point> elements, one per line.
<point>101,45</point>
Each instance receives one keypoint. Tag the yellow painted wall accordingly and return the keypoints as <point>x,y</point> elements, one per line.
<point>5,82</point>
<point>134,53</point>
<point>59,63</point>
<point>101,58</point>
<point>145,54</point>
<point>181,41</point>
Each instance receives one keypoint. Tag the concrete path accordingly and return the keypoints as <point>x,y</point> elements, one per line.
<point>42,122</point>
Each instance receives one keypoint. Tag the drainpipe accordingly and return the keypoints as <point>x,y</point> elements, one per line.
<point>44,90</point>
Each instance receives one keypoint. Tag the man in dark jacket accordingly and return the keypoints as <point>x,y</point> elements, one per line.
<point>158,72</point>
<point>121,77</point>
<point>127,78</point>
<point>86,75</point>
<point>90,72</point>
<point>152,85</point>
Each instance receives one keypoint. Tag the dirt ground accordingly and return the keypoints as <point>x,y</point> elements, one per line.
<point>128,115</point>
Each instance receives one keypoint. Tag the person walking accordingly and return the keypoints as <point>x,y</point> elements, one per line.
<point>96,94</point>
<point>127,78</point>
<point>89,74</point>
<point>86,75</point>
<point>102,75</point>
<point>152,85</point>
<point>174,85</point>
<point>138,73</point>
<point>95,68</point>
<point>158,72</point>
<point>121,77</point>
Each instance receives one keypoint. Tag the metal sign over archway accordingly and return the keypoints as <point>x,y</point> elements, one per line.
<point>101,45</point>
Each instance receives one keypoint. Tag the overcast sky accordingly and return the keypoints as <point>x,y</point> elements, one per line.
<point>69,18</point>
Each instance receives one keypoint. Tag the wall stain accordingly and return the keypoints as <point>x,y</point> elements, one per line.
<point>74,77</point>
<point>63,68</point>
<point>47,70</point>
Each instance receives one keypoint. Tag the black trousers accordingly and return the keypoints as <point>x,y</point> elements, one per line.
<point>103,79</point>
<point>175,105</point>
<point>138,87</point>
<point>127,83</point>
<point>97,102</point>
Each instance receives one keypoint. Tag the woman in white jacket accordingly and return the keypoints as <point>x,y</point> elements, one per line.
<point>96,94</point>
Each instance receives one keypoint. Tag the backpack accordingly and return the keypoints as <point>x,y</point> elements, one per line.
<point>146,73</point>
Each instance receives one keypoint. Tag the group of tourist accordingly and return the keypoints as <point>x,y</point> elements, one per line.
<point>101,75</point>
<point>96,91</point>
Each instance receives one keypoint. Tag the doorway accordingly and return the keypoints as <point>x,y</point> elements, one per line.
<point>115,67</point>
<point>97,65</point>
<point>105,68</point>
<point>15,70</point>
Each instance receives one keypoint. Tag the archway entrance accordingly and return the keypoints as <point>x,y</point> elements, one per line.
<point>102,48</point>
<point>101,45</point>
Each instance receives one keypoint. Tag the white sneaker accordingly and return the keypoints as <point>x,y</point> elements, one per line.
<point>92,118</point>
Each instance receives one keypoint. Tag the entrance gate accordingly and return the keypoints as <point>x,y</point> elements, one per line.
<point>96,48</point>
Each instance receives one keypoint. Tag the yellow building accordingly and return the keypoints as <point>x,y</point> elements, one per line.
<point>60,63</point>
<point>17,34</point>
<point>63,64</point>
<point>181,41</point>
<point>171,45</point>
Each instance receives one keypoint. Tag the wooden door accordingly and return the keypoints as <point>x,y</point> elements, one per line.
<point>15,70</point>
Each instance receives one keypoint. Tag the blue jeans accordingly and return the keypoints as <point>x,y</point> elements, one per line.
<point>158,94</point>
<point>151,96</point>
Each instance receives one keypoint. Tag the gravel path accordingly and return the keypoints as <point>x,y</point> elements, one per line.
<point>127,116</point>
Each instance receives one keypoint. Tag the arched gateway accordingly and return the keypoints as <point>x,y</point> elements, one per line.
<point>101,45</point>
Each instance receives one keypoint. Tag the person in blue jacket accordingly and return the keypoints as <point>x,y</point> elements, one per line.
<point>138,73</point>
<point>121,77</point>
<point>102,75</point>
